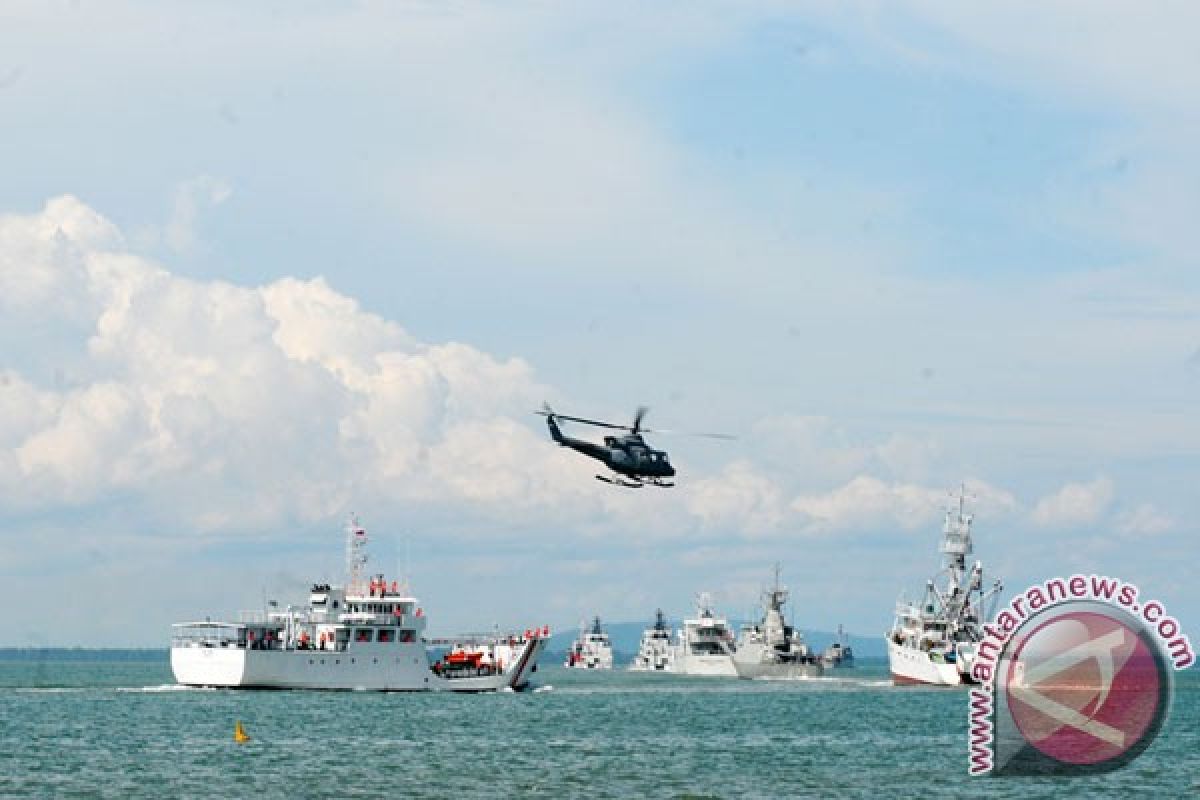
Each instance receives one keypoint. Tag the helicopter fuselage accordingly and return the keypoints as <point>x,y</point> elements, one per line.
<point>627,455</point>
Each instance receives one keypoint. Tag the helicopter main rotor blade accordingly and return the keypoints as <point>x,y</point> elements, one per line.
<point>700,435</point>
<point>595,422</point>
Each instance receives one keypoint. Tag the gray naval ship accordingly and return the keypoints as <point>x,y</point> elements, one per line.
<point>773,649</point>
<point>838,654</point>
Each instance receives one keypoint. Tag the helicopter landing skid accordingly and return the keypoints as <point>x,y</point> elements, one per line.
<point>635,483</point>
<point>615,481</point>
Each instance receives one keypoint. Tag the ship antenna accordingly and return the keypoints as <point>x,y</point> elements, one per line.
<point>356,554</point>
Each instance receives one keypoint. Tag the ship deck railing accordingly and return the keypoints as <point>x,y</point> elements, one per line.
<point>474,640</point>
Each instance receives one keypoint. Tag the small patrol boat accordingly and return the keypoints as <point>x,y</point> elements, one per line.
<point>592,649</point>
<point>655,651</point>
<point>839,653</point>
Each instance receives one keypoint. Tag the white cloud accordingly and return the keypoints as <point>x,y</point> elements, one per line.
<point>199,390</point>
<point>868,501</point>
<point>42,258</point>
<point>220,407</point>
<point>816,449</point>
<point>1074,504</point>
<point>740,498</point>
<point>1145,520</point>
<point>191,198</point>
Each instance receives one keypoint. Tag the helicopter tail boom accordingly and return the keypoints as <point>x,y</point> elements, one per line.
<point>555,433</point>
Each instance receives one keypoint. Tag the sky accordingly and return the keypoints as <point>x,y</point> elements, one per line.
<point>265,266</point>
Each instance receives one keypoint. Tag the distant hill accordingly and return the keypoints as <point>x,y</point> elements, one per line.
<point>627,635</point>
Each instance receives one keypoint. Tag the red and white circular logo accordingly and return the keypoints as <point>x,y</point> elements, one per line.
<point>1085,687</point>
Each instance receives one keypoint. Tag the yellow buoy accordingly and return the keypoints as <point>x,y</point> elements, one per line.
<point>239,733</point>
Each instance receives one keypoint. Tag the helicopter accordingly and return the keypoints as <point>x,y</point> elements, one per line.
<point>634,463</point>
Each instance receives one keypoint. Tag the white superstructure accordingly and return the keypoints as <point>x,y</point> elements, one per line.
<point>772,648</point>
<point>368,634</point>
<point>655,651</point>
<point>934,641</point>
<point>705,645</point>
<point>592,650</point>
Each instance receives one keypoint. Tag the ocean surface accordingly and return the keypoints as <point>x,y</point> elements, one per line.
<point>109,728</point>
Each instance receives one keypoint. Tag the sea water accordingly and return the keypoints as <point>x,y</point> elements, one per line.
<point>123,729</point>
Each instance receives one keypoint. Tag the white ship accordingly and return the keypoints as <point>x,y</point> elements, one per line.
<point>705,644</point>
<point>592,650</point>
<point>655,652</point>
<point>366,635</point>
<point>934,642</point>
<point>772,648</point>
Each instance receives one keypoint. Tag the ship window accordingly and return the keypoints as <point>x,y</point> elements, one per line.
<point>335,603</point>
<point>362,635</point>
<point>407,636</point>
<point>387,635</point>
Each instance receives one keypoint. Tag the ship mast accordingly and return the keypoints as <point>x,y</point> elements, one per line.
<point>777,595</point>
<point>956,546</point>
<point>356,556</point>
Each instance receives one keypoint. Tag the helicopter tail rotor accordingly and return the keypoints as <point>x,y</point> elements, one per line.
<point>551,422</point>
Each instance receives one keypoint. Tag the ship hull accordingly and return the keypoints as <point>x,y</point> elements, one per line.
<point>655,662</point>
<point>759,671</point>
<point>713,666</point>
<point>595,659</point>
<point>393,667</point>
<point>912,667</point>
<point>753,661</point>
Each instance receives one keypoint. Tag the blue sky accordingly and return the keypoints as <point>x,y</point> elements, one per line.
<point>260,267</point>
